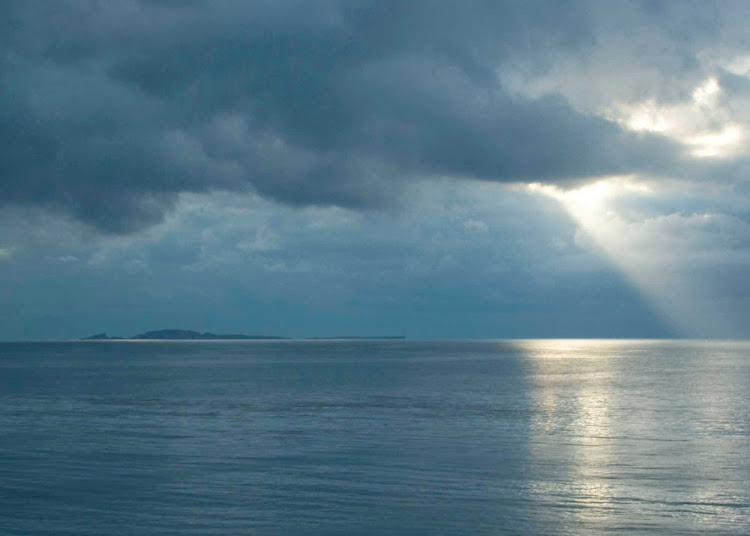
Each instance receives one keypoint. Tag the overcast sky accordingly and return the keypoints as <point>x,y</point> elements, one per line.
<point>423,168</point>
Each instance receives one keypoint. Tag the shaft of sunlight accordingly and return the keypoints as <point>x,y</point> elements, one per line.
<point>654,269</point>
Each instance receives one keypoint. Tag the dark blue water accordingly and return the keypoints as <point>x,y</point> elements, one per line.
<point>387,437</point>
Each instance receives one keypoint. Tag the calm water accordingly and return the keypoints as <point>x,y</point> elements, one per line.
<point>389,437</point>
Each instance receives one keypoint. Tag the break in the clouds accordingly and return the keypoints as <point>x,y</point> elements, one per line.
<point>110,109</point>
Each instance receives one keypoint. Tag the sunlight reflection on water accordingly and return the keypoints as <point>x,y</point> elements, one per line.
<point>483,437</point>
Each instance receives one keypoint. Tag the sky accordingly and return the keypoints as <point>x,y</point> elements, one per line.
<point>431,169</point>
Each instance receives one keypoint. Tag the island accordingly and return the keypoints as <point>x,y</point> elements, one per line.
<point>190,335</point>
<point>182,335</point>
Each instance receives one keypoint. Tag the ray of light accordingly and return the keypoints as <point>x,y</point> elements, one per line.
<point>654,268</point>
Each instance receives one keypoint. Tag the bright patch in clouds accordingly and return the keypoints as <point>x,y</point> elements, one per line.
<point>703,124</point>
<point>739,66</point>
<point>707,94</point>
<point>646,116</point>
<point>716,144</point>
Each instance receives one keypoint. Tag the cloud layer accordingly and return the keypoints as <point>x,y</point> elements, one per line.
<point>111,109</point>
<point>467,259</point>
<point>436,168</point>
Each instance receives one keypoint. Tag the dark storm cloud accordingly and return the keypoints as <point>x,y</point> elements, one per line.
<point>109,109</point>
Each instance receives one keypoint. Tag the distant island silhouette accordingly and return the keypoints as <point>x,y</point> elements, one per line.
<point>190,335</point>
<point>182,335</point>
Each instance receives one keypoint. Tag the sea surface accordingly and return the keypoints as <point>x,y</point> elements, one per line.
<point>375,437</point>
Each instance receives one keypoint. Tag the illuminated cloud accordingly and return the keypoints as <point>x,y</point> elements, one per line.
<point>111,110</point>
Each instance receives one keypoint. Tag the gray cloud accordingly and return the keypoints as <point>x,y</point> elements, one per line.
<point>108,110</point>
<point>225,261</point>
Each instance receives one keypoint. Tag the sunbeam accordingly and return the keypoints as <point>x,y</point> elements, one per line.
<point>652,261</point>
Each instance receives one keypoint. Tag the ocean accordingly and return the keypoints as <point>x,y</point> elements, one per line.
<point>375,437</point>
